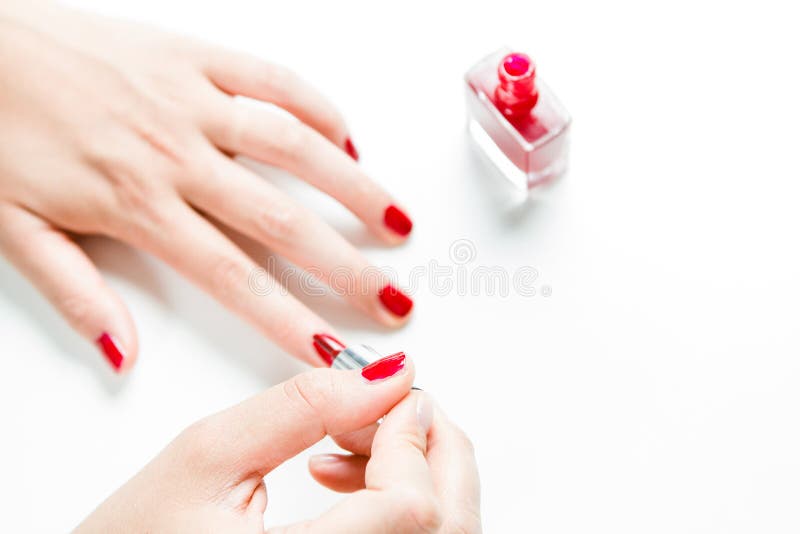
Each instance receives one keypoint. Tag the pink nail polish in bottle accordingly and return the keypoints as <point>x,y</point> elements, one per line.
<point>515,120</point>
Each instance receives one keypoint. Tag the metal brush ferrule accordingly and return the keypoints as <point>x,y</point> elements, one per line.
<point>355,357</point>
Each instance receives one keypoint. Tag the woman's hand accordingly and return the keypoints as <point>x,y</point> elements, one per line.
<point>111,128</point>
<point>414,473</point>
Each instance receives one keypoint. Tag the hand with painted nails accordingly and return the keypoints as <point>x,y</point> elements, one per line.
<point>415,472</point>
<point>116,129</point>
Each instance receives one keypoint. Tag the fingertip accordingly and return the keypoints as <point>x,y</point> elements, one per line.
<point>425,408</point>
<point>128,363</point>
<point>323,462</point>
<point>338,472</point>
<point>119,336</point>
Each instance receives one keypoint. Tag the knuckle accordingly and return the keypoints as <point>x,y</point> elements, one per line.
<point>279,140</point>
<point>166,142</point>
<point>310,391</point>
<point>194,174</point>
<point>304,396</point>
<point>309,394</point>
<point>332,120</point>
<point>200,442</point>
<point>79,311</point>
<point>467,523</point>
<point>279,223</point>
<point>291,140</point>
<point>280,81</point>
<point>138,199</point>
<point>409,436</point>
<point>234,127</point>
<point>296,391</point>
<point>464,442</point>
<point>138,225</point>
<point>422,512</point>
<point>228,277</point>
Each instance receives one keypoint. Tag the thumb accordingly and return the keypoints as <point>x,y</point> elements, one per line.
<point>261,433</point>
<point>400,494</point>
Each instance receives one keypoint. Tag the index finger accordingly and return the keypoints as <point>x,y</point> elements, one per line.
<point>261,433</point>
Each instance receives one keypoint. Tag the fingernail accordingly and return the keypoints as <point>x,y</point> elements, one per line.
<point>397,221</point>
<point>328,347</point>
<point>385,367</point>
<point>350,148</point>
<point>424,412</point>
<point>111,349</point>
<point>395,300</point>
<point>325,458</point>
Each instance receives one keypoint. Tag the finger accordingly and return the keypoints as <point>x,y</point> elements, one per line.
<point>263,432</point>
<point>455,475</point>
<point>400,492</point>
<point>358,442</point>
<point>68,279</point>
<point>256,208</point>
<point>339,472</point>
<point>240,74</point>
<point>399,447</point>
<point>284,142</point>
<point>198,250</point>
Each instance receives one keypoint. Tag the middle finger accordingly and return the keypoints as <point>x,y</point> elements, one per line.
<point>279,140</point>
<point>242,200</point>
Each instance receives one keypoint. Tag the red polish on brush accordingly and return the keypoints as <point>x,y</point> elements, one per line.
<point>385,367</point>
<point>373,366</point>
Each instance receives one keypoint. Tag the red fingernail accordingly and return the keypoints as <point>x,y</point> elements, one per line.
<point>395,300</point>
<point>385,367</point>
<point>111,350</point>
<point>350,148</point>
<point>328,347</point>
<point>397,221</point>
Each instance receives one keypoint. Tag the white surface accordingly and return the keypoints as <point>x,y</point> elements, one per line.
<point>655,391</point>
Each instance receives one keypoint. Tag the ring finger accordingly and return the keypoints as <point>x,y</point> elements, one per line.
<point>245,202</point>
<point>198,250</point>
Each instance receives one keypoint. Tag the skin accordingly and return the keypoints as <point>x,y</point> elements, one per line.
<point>115,129</point>
<point>414,473</point>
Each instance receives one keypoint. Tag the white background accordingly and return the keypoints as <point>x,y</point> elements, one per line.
<point>656,389</point>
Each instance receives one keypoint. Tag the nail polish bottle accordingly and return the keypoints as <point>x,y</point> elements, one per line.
<point>515,120</point>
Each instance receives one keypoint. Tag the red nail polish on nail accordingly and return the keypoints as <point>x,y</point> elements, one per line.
<point>385,367</point>
<point>111,350</point>
<point>397,221</point>
<point>350,148</point>
<point>328,347</point>
<point>395,300</point>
